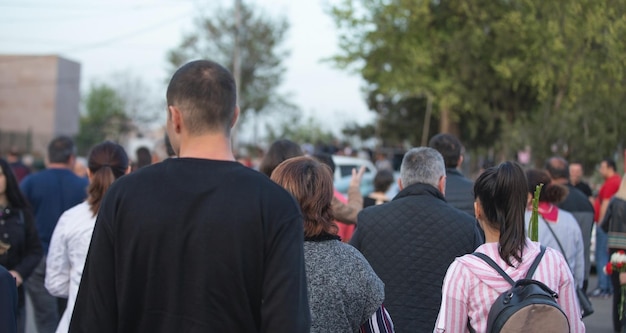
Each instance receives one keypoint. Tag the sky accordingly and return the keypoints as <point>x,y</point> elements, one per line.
<point>115,37</point>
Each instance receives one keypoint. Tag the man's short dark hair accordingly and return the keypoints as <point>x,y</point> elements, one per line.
<point>558,168</point>
<point>449,146</point>
<point>61,149</point>
<point>206,94</point>
<point>610,163</point>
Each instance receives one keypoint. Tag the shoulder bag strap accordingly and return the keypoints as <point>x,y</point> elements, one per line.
<point>559,243</point>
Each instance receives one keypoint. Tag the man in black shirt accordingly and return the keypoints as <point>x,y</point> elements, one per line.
<point>199,243</point>
<point>576,179</point>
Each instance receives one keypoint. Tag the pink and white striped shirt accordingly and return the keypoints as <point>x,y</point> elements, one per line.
<point>471,286</point>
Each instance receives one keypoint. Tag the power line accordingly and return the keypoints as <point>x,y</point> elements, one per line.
<point>112,40</point>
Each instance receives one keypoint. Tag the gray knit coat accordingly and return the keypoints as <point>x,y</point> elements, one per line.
<point>344,291</point>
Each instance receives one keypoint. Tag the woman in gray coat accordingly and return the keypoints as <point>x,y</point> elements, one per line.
<point>345,295</point>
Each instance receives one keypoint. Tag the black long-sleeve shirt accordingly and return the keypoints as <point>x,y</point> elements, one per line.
<point>193,245</point>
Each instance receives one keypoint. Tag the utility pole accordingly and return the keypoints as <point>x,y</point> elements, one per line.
<point>237,67</point>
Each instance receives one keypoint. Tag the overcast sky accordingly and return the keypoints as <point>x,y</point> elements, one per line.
<point>133,36</point>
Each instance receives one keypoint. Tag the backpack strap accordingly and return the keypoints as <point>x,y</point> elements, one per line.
<point>533,267</point>
<point>495,266</point>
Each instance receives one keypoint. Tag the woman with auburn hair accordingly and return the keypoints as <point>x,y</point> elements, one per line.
<point>345,295</point>
<point>471,285</point>
<point>614,224</point>
<point>20,249</point>
<point>71,237</point>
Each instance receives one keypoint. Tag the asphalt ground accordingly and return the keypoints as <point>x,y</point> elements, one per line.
<point>599,322</point>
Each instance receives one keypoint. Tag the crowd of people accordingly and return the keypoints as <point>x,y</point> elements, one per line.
<point>203,243</point>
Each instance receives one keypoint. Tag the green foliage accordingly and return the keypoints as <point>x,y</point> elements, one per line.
<point>298,129</point>
<point>509,73</point>
<point>104,118</point>
<point>260,40</point>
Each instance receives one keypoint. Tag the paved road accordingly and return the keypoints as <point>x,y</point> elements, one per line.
<point>599,322</point>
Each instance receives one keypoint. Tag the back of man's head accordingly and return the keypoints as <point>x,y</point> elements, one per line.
<point>61,149</point>
<point>206,94</point>
<point>558,168</point>
<point>449,146</point>
<point>422,165</point>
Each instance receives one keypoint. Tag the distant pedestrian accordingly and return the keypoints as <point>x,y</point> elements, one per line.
<point>382,183</point>
<point>143,158</point>
<point>458,188</point>
<point>51,192</point>
<point>575,203</point>
<point>20,170</point>
<point>612,180</point>
<point>107,162</point>
<point>576,179</point>
<point>279,151</point>
<point>198,243</point>
<point>411,240</point>
<point>471,286</point>
<point>20,249</point>
<point>338,304</point>
<point>614,224</point>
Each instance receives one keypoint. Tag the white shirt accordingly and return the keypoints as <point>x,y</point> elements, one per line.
<point>66,256</point>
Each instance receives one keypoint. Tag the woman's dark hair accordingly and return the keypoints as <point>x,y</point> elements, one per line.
<point>144,157</point>
<point>502,193</point>
<point>14,195</point>
<point>310,182</point>
<point>107,162</point>
<point>382,180</point>
<point>550,192</point>
<point>279,151</point>
<point>326,159</point>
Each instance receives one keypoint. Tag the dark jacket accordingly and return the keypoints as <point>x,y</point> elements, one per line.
<point>614,223</point>
<point>459,191</point>
<point>8,302</point>
<point>410,242</point>
<point>17,229</point>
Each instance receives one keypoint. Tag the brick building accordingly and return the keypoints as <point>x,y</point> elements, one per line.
<point>39,99</point>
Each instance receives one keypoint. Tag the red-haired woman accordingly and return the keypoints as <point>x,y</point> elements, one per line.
<point>345,295</point>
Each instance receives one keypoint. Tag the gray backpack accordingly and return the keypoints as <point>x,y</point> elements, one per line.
<point>529,306</point>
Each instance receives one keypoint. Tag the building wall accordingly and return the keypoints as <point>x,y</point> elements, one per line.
<point>39,99</point>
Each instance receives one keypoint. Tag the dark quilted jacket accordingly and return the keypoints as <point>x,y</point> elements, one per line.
<point>410,242</point>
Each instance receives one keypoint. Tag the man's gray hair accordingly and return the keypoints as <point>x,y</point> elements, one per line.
<point>422,165</point>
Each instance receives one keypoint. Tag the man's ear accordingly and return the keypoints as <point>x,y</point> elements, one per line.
<point>235,117</point>
<point>442,185</point>
<point>400,184</point>
<point>176,118</point>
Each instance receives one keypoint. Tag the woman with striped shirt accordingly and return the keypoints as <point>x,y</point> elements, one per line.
<point>471,286</point>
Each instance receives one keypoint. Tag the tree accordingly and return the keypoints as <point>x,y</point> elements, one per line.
<point>103,118</point>
<point>260,39</point>
<point>507,73</point>
<point>297,129</point>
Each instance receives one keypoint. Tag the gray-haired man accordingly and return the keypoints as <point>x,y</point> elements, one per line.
<point>411,241</point>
